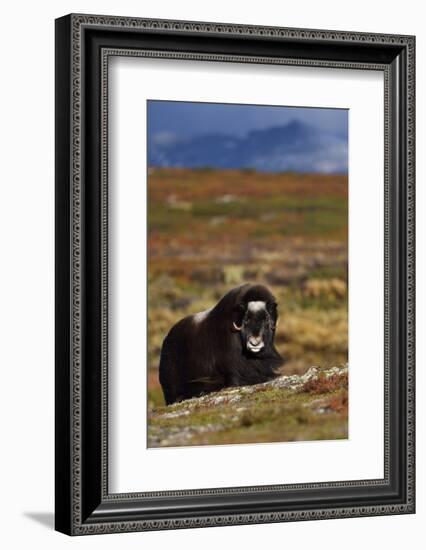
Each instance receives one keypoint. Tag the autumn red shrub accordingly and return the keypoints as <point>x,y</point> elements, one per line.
<point>324,384</point>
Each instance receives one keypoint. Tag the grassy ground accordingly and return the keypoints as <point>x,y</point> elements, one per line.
<point>299,408</point>
<point>212,230</point>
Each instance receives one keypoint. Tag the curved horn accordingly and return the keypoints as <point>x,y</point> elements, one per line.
<point>236,327</point>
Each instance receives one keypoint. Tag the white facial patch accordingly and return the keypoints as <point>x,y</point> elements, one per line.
<point>198,317</point>
<point>256,306</point>
<point>255,349</point>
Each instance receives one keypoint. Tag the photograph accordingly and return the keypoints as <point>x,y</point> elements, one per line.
<point>247,261</point>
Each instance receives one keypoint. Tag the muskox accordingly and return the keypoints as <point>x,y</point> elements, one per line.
<point>231,344</point>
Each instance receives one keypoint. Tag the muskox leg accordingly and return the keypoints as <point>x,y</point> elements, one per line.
<point>168,372</point>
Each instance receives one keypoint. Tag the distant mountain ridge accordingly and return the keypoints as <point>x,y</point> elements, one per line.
<point>294,147</point>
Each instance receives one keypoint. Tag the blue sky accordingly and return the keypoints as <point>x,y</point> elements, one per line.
<point>188,119</point>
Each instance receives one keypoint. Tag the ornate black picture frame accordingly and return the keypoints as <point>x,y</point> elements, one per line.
<point>84,44</point>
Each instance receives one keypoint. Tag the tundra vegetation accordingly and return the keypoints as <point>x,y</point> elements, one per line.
<point>211,230</point>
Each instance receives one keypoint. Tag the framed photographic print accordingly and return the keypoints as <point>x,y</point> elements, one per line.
<point>234,274</point>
